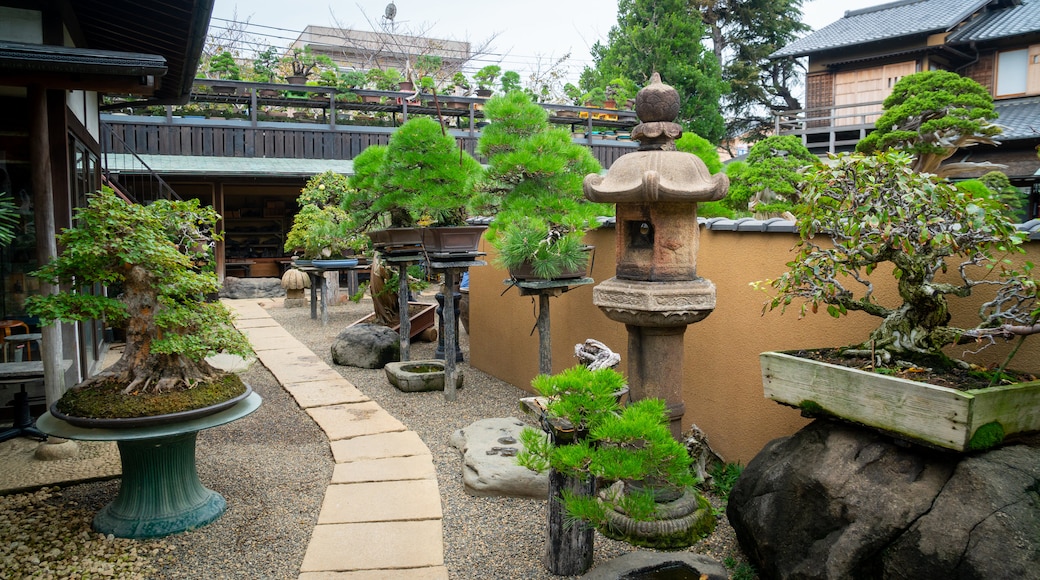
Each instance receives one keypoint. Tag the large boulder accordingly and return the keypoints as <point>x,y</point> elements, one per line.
<point>837,501</point>
<point>489,468</point>
<point>239,288</point>
<point>368,346</point>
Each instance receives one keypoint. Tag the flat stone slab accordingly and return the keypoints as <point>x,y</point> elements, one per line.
<point>389,469</point>
<point>647,562</point>
<point>382,501</point>
<point>381,446</point>
<point>276,339</point>
<point>432,573</point>
<point>325,392</point>
<point>354,420</point>
<point>261,321</point>
<point>489,468</point>
<point>374,546</point>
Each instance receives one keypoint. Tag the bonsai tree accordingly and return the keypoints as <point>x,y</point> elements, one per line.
<point>620,90</point>
<point>302,62</point>
<point>768,185</point>
<point>511,81</point>
<point>882,216</point>
<point>152,252</point>
<point>533,187</point>
<point>632,445</point>
<point>596,97</point>
<point>997,186</point>
<point>932,114</point>
<point>486,77</point>
<point>323,228</point>
<point>265,65</point>
<point>384,79</point>
<point>461,84</point>
<point>427,180</point>
<point>223,66</point>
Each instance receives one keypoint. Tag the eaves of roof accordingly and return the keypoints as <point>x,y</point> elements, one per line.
<point>904,18</point>
<point>997,24</point>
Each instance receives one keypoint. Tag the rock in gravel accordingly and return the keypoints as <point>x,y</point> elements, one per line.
<point>659,565</point>
<point>237,288</point>
<point>839,501</point>
<point>368,346</point>
<point>489,449</point>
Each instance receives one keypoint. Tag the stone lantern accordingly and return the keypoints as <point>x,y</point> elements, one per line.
<point>295,281</point>
<point>656,292</point>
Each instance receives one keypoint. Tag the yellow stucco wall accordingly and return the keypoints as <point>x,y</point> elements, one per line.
<point>722,380</point>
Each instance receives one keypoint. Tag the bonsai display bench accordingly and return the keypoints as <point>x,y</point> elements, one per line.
<point>160,492</point>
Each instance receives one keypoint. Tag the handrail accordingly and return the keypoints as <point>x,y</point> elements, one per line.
<point>162,190</point>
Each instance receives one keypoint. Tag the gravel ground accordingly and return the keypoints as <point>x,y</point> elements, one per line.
<point>273,468</point>
<point>484,537</point>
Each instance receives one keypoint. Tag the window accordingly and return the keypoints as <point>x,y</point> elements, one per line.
<point>1018,72</point>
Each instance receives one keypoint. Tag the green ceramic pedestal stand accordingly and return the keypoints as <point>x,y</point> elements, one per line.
<point>160,492</point>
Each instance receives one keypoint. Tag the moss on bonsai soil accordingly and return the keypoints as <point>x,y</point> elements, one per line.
<point>105,401</point>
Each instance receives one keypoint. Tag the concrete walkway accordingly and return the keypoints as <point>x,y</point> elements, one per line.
<point>381,517</point>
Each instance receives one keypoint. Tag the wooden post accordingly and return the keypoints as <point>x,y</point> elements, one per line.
<point>402,303</point>
<point>544,335</point>
<point>449,336</point>
<point>46,245</point>
<point>568,547</point>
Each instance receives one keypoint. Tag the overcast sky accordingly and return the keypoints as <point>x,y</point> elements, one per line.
<point>536,31</point>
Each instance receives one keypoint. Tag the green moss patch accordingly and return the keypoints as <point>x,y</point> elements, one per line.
<point>104,400</point>
<point>987,436</point>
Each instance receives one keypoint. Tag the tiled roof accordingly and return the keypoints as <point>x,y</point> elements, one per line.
<point>1020,118</point>
<point>241,166</point>
<point>1013,21</point>
<point>891,20</point>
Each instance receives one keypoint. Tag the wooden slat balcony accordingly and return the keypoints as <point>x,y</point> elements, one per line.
<point>829,129</point>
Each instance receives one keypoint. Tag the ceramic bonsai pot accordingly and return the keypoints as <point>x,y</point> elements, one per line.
<point>422,317</point>
<point>922,413</point>
<point>151,420</point>
<point>452,241</point>
<point>392,240</point>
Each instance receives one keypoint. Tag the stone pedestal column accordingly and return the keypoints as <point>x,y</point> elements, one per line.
<point>654,371</point>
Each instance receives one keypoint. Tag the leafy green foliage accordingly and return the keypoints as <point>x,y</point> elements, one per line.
<point>533,186</point>
<point>153,252</point>
<point>265,65</point>
<point>323,228</point>
<point>996,185</point>
<point>930,115</point>
<point>223,66</point>
<point>8,219</point>
<point>768,181</point>
<point>702,148</point>
<point>881,214</point>
<point>724,476</point>
<point>487,76</point>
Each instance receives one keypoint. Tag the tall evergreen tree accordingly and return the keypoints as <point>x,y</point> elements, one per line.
<point>743,33</point>
<point>665,36</point>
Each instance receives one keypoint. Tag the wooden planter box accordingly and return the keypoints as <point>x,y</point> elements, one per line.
<point>423,318</point>
<point>927,414</point>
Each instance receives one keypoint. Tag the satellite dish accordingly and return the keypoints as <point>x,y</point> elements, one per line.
<point>390,12</point>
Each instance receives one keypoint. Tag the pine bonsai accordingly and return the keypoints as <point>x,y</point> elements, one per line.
<point>533,186</point>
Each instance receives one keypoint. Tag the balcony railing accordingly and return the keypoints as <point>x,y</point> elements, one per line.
<point>311,122</point>
<point>829,129</point>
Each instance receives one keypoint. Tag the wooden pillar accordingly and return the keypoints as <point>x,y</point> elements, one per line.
<point>568,547</point>
<point>46,245</point>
